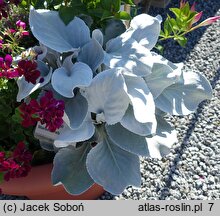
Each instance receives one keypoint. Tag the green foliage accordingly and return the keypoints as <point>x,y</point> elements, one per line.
<point>178,26</point>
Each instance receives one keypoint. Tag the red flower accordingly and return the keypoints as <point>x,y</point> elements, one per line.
<point>28,113</point>
<point>18,165</point>
<point>28,68</point>
<point>48,111</point>
<point>52,111</point>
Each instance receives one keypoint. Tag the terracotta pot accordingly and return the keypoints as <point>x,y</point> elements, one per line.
<point>37,186</point>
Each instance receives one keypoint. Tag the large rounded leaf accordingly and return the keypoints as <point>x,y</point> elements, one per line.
<point>68,136</point>
<point>26,88</point>
<point>112,167</point>
<point>141,99</point>
<point>127,53</point>
<point>76,110</point>
<point>183,97</point>
<point>50,30</point>
<point>143,129</point>
<point>64,81</point>
<point>161,77</point>
<point>160,144</point>
<point>106,95</point>
<point>70,169</point>
<point>92,54</point>
<point>127,140</point>
<point>145,29</point>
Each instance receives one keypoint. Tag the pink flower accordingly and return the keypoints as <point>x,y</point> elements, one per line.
<point>25,33</point>
<point>209,21</point>
<point>28,68</point>
<point>21,24</point>
<point>6,70</point>
<point>1,42</point>
<point>12,31</point>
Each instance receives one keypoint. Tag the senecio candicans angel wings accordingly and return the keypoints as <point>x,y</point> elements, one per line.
<point>116,95</point>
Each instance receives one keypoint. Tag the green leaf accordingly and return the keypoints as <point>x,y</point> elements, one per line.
<point>123,15</point>
<point>176,11</point>
<point>16,118</point>
<point>112,6</point>
<point>130,2</point>
<point>181,40</point>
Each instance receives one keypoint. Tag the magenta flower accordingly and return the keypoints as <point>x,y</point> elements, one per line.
<point>6,69</point>
<point>21,24</point>
<point>1,44</point>
<point>29,69</point>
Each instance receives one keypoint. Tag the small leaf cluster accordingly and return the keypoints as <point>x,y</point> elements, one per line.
<point>177,26</point>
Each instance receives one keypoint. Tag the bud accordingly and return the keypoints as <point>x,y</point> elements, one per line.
<point>197,17</point>
<point>209,21</point>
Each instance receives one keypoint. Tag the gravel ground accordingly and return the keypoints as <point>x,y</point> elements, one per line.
<point>192,169</point>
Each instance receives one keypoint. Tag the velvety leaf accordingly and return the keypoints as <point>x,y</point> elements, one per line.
<point>143,129</point>
<point>127,140</point>
<point>61,38</point>
<point>106,95</point>
<point>145,29</point>
<point>127,53</point>
<point>70,169</point>
<point>25,88</point>
<point>141,99</point>
<point>161,77</point>
<point>76,109</point>
<point>160,144</point>
<point>98,36</point>
<point>64,81</point>
<point>112,167</point>
<point>69,136</point>
<point>92,54</point>
<point>183,97</point>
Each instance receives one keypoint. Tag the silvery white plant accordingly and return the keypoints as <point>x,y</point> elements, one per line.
<point>116,95</point>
